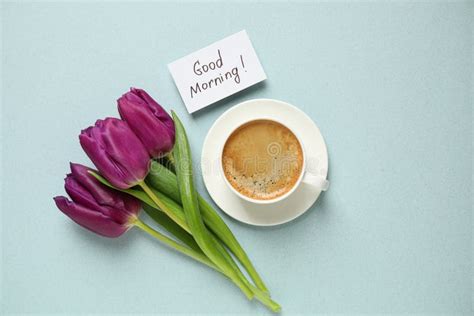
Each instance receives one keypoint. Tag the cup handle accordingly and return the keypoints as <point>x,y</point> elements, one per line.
<point>316,181</point>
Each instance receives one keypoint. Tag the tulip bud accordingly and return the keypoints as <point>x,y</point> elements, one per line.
<point>116,151</point>
<point>102,210</point>
<point>148,120</point>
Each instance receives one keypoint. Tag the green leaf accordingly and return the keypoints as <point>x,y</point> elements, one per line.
<point>138,193</point>
<point>164,221</point>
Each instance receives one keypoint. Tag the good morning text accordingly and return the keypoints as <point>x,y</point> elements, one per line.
<point>221,76</point>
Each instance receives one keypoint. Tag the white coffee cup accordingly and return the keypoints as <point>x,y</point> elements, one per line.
<point>305,177</point>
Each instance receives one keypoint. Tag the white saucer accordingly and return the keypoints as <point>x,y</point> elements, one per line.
<point>316,162</point>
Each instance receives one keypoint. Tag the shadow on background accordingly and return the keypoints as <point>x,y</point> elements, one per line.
<point>110,245</point>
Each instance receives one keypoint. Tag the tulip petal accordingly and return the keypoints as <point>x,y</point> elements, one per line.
<point>89,219</point>
<point>153,133</point>
<point>99,157</point>
<point>86,190</point>
<point>101,194</point>
<point>125,148</point>
<point>148,120</point>
<point>116,151</point>
<point>79,194</point>
<point>156,108</point>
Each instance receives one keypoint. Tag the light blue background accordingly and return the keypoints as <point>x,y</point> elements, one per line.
<point>389,84</point>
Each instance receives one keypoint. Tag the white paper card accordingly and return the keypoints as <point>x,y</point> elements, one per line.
<point>217,71</point>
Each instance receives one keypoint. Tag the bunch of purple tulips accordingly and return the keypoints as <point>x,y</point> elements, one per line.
<point>108,200</point>
<point>122,151</point>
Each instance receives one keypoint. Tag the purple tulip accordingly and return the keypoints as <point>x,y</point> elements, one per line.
<point>102,210</point>
<point>148,120</point>
<point>116,151</point>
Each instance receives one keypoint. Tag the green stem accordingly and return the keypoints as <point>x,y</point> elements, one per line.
<point>168,210</point>
<point>171,159</point>
<point>234,277</point>
<point>171,227</point>
<point>163,207</point>
<point>267,301</point>
<point>182,154</point>
<point>178,232</point>
<point>260,295</point>
<point>167,204</point>
<point>173,244</point>
<point>163,180</point>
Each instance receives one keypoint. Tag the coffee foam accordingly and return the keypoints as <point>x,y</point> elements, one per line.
<point>262,159</point>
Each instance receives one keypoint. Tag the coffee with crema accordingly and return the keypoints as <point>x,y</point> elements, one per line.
<point>262,159</point>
